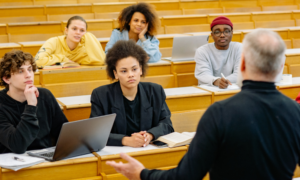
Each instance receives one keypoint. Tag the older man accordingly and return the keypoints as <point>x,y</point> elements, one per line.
<point>252,135</point>
<point>220,57</point>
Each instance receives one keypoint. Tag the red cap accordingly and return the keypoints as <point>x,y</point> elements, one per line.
<point>221,20</point>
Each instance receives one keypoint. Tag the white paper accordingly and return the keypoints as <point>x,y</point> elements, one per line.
<point>8,161</point>
<point>183,91</point>
<point>109,150</point>
<point>217,89</point>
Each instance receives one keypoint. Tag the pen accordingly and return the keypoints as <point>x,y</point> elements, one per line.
<point>18,159</point>
<point>223,76</point>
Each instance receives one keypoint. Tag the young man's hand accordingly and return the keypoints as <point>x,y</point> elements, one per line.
<point>222,83</point>
<point>31,93</point>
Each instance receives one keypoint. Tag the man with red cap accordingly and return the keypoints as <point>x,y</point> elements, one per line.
<point>220,57</point>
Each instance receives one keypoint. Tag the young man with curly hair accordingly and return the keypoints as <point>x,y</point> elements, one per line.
<point>30,117</point>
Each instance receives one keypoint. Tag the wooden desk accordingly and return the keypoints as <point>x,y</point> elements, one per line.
<point>159,68</point>
<point>6,47</point>
<point>178,99</point>
<point>76,107</point>
<point>31,46</point>
<point>185,72</point>
<point>293,61</point>
<point>95,167</point>
<point>164,159</point>
<point>220,95</point>
<point>60,170</point>
<point>187,98</point>
<point>290,89</point>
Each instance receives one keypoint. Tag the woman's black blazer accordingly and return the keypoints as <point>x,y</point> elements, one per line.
<point>155,114</point>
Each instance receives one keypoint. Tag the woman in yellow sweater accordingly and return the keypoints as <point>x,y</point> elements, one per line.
<point>76,45</point>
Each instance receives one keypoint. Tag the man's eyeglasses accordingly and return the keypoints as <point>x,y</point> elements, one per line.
<point>218,33</point>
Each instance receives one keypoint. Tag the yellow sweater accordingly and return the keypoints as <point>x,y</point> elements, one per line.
<point>88,52</point>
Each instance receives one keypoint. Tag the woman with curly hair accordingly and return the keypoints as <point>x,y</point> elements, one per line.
<point>142,113</point>
<point>140,23</point>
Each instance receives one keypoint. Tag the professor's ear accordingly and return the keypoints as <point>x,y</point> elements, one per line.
<point>243,63</point>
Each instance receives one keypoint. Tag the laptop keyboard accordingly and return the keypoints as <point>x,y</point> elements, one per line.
<point>49,154</point>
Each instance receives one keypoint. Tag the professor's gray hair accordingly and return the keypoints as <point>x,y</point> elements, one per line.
<point>264,50</point>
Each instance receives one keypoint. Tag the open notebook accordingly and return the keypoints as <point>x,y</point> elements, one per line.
<point>177,139</point>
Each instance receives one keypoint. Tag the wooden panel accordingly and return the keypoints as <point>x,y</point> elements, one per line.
<point>34,28</point>
<point>219,96</point>
<point>61,170</point>
<point>296,43</point>
<point>236,17</point>
<point>186,121</point>
<point>110,7</point>
<point>169,12</point>
<point>291,92</point>
<point>274,24</point>
<point>36,78</point>
<point>165,5</point>
<point>3,30</point>
<point>280,8</point>
<point>48,2</point>
<point>241,9</point>
<point>69,9</point>
<point>294,33</point>
<point>292,59</point>
<point>76,114</point>
<point>6,47</point>
<point>32,37</point>
<point>272,16</point>
<point>152,159</point>
<point>190,4</point>
<point>16,3</point>
<point>184,20</point>
<point>95,1</point>
<point>296,14</point>
<point>75,88</point>
<point>166,81</point>
<point>186,79</point>
<point>31,49</point>
<point>285,70</point>
<point>110,15</point>
<point>243,25</point>
<point>84,73</point>
<point>276,2</point>
<point>238,3</point>
<point>23,19</point>
<point>65,17</point>
<point>288,43</point>
<point>187,28</point>
<point>188,102</point>
<point>158,70</point>
<point>202,11</point>
<point>184,67</point>
<point>166,52</point>
<point>294,69</point>
<point>21,11</point>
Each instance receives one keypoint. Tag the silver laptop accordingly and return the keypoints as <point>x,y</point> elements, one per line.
<point>184,47</point>
<point>79,138</point>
